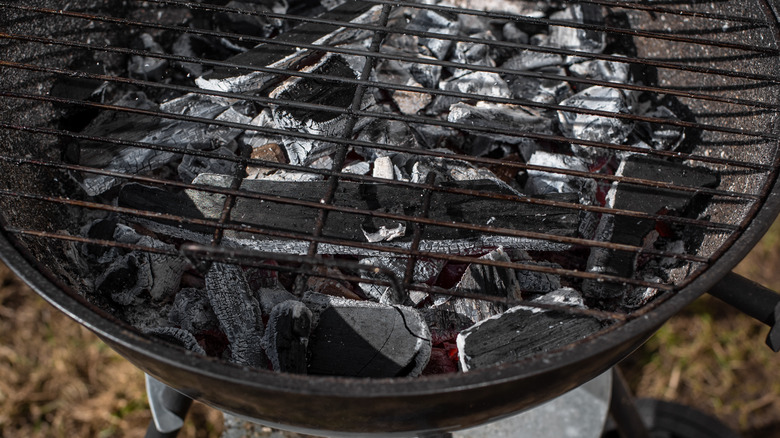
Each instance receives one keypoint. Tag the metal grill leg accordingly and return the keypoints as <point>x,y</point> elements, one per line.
<point>623,409</point>
<point>169,408</point>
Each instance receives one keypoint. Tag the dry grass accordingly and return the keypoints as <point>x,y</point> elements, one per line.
<point>58,380</point>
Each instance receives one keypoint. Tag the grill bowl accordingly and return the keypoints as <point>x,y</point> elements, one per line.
<point>401,405</point>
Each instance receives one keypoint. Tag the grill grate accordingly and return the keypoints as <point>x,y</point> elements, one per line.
<point>735,113</point>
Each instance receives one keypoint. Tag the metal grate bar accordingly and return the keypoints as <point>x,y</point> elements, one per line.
<point>564,52</point>
<point>649,7</point>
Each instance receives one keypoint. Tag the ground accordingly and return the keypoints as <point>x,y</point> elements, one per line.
<point>58,380</point>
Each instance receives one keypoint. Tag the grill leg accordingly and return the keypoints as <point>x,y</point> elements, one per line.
<point>169,408</point>
<point>623,409</point>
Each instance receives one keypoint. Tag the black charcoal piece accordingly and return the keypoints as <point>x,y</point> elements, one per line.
<point>429,21</point>
<point>596,128</point>
<point>542,182</point>
<point>126,279</point>
<point>147,67</point>
<point>658,136</point>
<point>550,91</point>
<point>382,131</point>
<point>254,22</point>
<point>377,197</point>
<point>602,70</point>
<point>533,60</point>
<point>584,40</point>
<point>191,310</point>
<point>492,281</point>
<point>631,230</point>
<point>424,270</point>
<point>286,336</point>
<point>193,165</point>
<point>238,313</point>
<point>518,333</point>
<point>363,339</point>
<point>271,297</point>
<point>500,116</point>
<point>271,55</point>
<point>198,47</point>
<point>473,54</point>
<point>177,336</point>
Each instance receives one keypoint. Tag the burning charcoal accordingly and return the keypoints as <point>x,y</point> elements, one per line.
<point>541,182</point>
<point>595,128</point>
<point>487,280</point>
<point>630,230</point>
<point>518,333</point>
<point>276,56</point>
<point>363,339</point>
<point>579,39</point>
<point>147,67</point>
<point>500,116</point>
<point>286,337</point>
<point>238,313</point>
<point>433,22</point>
<point>246,24</point>
<point>434,136</point>
<point>178,337</point>
<point>657,136</point>
<point>191,310</point>
<point>601,70</point>
<point>536,9</point>
<point>535,281</point>
<point>327,283</point>
<point>271,297</point>
<point>192,165</point>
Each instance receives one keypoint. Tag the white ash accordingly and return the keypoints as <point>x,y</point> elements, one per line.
<point>541,182</point>
<point>385,234</point>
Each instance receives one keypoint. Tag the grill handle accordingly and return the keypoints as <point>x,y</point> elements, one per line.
<point>754,300</point>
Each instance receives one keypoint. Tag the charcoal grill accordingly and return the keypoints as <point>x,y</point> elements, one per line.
<point>720,63</point>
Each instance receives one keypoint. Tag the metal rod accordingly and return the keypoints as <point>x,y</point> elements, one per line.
<point>623,409</point>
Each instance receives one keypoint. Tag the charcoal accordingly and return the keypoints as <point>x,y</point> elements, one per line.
<point>238,313</point>
<point>363,339</point>
<point>276,56</point>
<point>535,281</point>
<point>486,280</point>
<point>126,279</point>
<point>397,72</point>
<point>357,168</point>
<point>657,136</point>
<point>548,91</point>
<point>246,24</point>
<point>527,60</point>
<point>519,333</point>
<point>514,34</point>
<point>602,70</point>
<point>191,311</point>
<point>381,131</point>
<point>424,271</point>
<point>177,336</point>
<point>286,336</point>
<point>536,9</point>
<point>435,136</point>
<point>630,230</point>
<point>343,225</point>
<point>198,47</point>
<point>478,83</point>
<point>383,168</point>
<point>80,88</point>
<point>579,39</point>
<point>192,165</point>
<point>500,116</point>
<point>147,67</point>
<point>271,297</point>
<point>472,54</point>
<point>427,75</point>
<point>433,22</point>
<point>270,152</point>
<point>595,128</point>
<point>541,182</point>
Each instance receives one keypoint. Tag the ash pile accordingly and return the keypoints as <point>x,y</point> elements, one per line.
<point>470,223</point>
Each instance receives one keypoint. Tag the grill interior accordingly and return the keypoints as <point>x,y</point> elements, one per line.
<point>718,66</point>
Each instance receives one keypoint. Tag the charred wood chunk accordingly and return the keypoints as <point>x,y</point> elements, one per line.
<point>590,127</point>
<point>362,339</point>
<point>630,230</point>
<point>585,40</point>
<point>238,313</point>
<point>191,310</point>
<point>177,336</point>
<point>286,336</point>
<point>520,332</point>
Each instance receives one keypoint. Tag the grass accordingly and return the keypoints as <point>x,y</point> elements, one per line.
<point>58,380</point>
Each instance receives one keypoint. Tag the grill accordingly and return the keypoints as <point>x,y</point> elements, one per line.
<point>64,67</point>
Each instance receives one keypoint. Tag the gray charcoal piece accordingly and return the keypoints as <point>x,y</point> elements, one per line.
<point>193,165</point>
<point>656,135</point>
<point>477,83</point>
<point>602,70</point>
<point>238,312</point>
<point>433,22</point>
<point>376,197</point>
<point>191,310</point>
<point>500,116</point>
<point>541,182</point>
<point>485,280</point>
<point>595,128</point>
<point>364,339</point>
<point>427,75</point>
<point>397,72</point>
<point>533,60</point>
<point>424,270</point>
<point>277,56</point>
<point>538,282</point>
<point>518,333</point>
<point>147,67</point>
<point>548,91</point>
<point>535,9</point>
<point>570,38</point>
<point>512,33</point>
<point>286,338</point>
<point>271,297</point>
<point>473,54</point>
<point>631,230</point>
<point>126,279</point>
<point>177,336</point>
